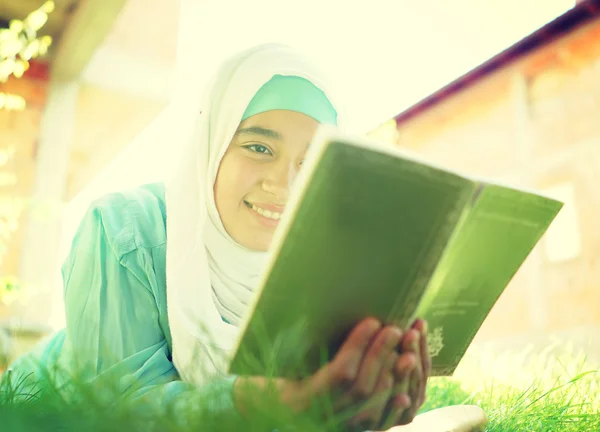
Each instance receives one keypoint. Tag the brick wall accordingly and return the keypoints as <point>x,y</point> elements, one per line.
<point>535,124</point>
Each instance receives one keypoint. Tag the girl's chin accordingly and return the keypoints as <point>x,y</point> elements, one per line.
<point>257,244</point>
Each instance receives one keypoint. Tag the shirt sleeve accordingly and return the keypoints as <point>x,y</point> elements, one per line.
<point>112,316</point>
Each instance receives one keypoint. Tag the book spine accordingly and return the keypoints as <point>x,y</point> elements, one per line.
<point>403,312</point>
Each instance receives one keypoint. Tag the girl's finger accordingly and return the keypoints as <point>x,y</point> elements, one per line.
<point>425,359</point>
<point>402,370</point>
<point>401,400</point>
<point>414,392</point>
<point>374,363</point>
<point>370,416</point>
<point>341,372</point>
<point>411,343</point>
<point>385,388</point>
<point>396,408</point>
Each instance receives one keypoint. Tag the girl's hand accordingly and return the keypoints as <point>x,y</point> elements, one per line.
<point>415,341</point>
<point>360,378</point>
<point>368,375</point>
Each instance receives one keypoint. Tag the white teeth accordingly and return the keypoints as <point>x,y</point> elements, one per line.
<point>267,213</point>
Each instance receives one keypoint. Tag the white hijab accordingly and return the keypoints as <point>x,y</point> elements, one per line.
<point>209,275</point>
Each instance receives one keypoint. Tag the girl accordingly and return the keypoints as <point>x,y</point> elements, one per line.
<point>159,278</point>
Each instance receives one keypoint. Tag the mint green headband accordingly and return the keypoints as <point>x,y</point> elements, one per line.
<point>294,94</point>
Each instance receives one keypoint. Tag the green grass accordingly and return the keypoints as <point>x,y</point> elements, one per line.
<point>526,391</point>
<point>540,392</point>
<point>568,406</point>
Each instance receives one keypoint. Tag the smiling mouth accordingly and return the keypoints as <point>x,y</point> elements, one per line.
<point>269,214</point>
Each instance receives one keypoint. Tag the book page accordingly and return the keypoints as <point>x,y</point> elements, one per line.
<point>491,243</point>
<point>365,241</point>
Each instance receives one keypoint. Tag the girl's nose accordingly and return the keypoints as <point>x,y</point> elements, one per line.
<point>280,180</point>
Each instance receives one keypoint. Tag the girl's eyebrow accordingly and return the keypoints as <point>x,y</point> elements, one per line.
<point>257,130</point>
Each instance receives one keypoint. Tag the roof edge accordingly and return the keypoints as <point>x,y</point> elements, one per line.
<point>580,14</point>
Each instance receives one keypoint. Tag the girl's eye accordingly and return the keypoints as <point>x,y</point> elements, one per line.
<point>258,148</point>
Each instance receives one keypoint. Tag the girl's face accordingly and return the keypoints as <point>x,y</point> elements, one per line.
<point>257,171</point>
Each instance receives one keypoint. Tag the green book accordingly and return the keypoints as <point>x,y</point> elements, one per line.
<point>370,231</point>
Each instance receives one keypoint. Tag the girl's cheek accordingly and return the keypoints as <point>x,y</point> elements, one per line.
<point>248,173</point>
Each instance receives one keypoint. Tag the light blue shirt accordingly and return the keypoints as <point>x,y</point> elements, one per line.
<point>116,304</point>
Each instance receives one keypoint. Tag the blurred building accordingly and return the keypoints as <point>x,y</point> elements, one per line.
<point>526,116</point>
<point>531,117</point>
<point>101,82</point>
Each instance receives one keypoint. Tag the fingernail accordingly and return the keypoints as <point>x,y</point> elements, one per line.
<point>374,325</point>
<point>425,327</point>
<point>402,400</point>
<point>393,337</point>
<point>408,363</point>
